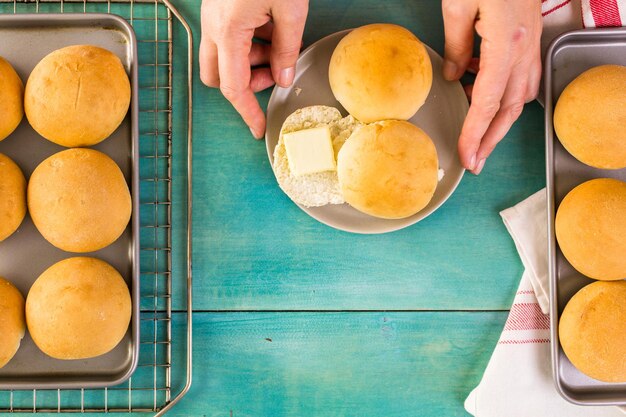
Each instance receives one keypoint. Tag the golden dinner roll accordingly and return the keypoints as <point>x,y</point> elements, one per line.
<point>592,330</point>
<point>590,116</point>
<point>77,96</point>
<point>79,200</point>
<point>11,99</point>
<point>590,227</point>
<point>379,72</point>
<point>78,308</point>
<point>388,169</point>
<point>12,197</point>
<point>12,323</point>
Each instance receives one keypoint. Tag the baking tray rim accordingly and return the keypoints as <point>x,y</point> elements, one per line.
<point>51,20</point>
<point>550,136</point>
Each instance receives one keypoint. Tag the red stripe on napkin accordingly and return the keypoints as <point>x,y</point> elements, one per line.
<point>527,316</point>
<point>555,8</point>
<point>523,342</point>
<point>605,13</point>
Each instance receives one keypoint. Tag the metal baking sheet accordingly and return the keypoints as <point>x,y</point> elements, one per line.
<point>24,40</point>
<point>568,56</point>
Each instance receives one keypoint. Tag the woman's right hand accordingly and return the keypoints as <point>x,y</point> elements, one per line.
<point>229,58</point>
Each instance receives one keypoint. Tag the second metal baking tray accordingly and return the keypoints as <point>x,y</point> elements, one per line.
<point>24,41</point>
<point>569,55</point>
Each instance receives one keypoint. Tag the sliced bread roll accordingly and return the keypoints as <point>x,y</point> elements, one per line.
<point>320,188</point>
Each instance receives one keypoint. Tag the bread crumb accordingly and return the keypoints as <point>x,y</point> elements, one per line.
<point>297,90</point>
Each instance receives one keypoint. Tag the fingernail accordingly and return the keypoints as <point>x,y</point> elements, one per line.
<point>480,166</point>
<point>254,134</point>
<point>285,78</point>
<point>449,70</point>
<point>472,162</point>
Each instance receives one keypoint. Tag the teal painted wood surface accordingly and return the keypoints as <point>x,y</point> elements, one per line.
<point>338,364</point>
<point>392,364</point>
<point>254,249</point>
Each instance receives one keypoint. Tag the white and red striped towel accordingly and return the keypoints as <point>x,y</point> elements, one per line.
<point>562,15</point>
<point>518,379</point>
<point>588,13</point>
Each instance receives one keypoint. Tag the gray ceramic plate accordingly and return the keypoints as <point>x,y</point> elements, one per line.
<point>441,118</point>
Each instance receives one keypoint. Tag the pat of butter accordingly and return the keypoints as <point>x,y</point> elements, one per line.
<point>310,151</point>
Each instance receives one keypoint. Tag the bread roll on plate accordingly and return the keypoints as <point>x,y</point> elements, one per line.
<point>388,169</point>
<point>592,330</point>
<point>79,200</point>
<point>590,228</point>
<point>320,188</point>
<point>12,197</point>
<point>77,96</point>
<point>379,72</point>
<point>12,322</point>
<point>11,99</point>
<point>78,308</point>
<point>590,117</point>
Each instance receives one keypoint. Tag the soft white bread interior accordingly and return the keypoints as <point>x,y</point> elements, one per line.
<point>320,188</point>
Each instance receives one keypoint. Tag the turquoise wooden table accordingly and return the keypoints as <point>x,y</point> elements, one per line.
<point>297,319</point>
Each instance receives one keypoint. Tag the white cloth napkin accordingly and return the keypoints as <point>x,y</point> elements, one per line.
<point>518,379</point>
<point>527,223</point>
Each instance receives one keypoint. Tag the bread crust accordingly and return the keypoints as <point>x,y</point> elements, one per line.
<point>78,308</point>
<point>12,321</point>
<point>79,200</point>
<point>77,96</point>
<point>11,99</point>
<point>590,227</point>
<point>380,72</point>
<point>590,116</point>
<point>592,330</point>
<point>388,169</point>
<point>12,197</point>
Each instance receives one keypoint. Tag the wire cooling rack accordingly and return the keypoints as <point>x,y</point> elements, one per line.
<point>150,389</point>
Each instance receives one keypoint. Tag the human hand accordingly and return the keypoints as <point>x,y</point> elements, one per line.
<point>230,60</point>
<point>508,72</point>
